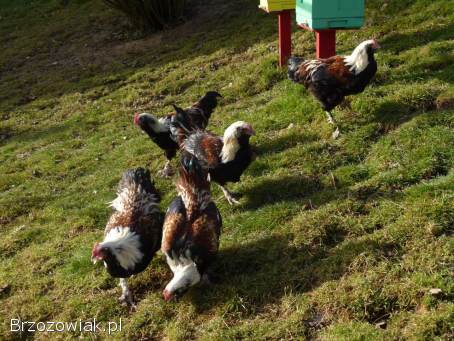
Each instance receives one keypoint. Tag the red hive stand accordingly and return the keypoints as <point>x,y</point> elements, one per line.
<point>325,39</point>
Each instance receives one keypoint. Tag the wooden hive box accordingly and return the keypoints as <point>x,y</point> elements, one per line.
<point>277,5</point>
<point>330,14</point>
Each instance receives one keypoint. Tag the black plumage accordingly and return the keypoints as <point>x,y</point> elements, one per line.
<point>196,117</point>
<point>169,132</point>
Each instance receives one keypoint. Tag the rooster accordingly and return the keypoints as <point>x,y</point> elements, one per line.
<point>192,227</point>
<point>226,158</point>
<point>159,130</point>
<point>134,230</point>
<point>331,79</point>
<point>196,117</point>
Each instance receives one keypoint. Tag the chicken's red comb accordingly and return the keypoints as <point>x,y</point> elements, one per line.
<point>96,251</point>
<point>136,118</point>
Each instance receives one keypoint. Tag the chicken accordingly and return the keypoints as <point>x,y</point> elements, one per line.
<point>159,130</point>
<point>133,233</point>
<point>331,79</point>
<point>192,227</point>
<point>225,158</point>
<point>193,118</point>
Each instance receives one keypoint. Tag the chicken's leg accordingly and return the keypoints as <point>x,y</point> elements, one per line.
<point>126,297</point>
<point>167,171</point>
<point>208,278</point>
<point>229,196</point>
<point>329,117</point>
<point>331,120</point>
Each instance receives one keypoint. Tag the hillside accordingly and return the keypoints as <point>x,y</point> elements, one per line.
<point>334,239</point>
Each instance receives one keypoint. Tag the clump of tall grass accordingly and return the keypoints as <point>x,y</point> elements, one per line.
<point>150,15</point>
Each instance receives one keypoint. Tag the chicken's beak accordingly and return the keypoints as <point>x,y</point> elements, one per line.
<point>250,130</point>
<point>167,295</point>
<point>94,260</point>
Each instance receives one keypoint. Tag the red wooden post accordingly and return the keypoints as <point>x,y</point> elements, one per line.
<point>285,36</point>
<point>326,43</point>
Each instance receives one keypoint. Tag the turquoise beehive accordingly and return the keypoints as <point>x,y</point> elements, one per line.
<point>330,14</point>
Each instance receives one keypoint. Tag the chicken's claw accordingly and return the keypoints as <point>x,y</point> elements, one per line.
<point>126,300</point>
<point>336,133</point>
<point>167,171</point>
<point>232,198</point>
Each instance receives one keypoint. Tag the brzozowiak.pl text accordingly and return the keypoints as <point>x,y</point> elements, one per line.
<point>78,326</point>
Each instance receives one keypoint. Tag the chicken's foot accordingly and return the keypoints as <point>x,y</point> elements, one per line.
<point>126,297</point>
<point>167,171</point>
<point>231,197</point>
<point>331,120</point>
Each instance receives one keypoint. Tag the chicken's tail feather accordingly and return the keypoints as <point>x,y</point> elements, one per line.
<point>135,185</point>
<point>138,177</point>
<point>208,102</point>
<point>293,65</point>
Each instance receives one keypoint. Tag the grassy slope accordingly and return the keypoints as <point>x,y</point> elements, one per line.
<point>332,237</point>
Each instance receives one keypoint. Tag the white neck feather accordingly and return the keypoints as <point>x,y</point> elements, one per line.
<point>185,273</point>
<point>229,149</point>
<point>124,245</point>
<point>359,59</point>
<point>231,145</point>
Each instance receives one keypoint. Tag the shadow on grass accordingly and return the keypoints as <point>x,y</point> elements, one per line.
<point>281,143</point>
<point>398,42</point>
<point>219,25</point>
<point>259,273</point>
<point>285,188</point>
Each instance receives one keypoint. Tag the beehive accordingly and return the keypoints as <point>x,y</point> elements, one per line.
<point>277,5</point>
<point>330,14</point>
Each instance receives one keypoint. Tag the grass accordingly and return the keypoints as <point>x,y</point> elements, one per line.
<point>334,240</point>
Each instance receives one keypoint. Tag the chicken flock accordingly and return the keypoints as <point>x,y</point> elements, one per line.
<point>188,233</point>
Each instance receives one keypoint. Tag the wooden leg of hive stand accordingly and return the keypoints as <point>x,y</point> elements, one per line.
<point>285,36</point>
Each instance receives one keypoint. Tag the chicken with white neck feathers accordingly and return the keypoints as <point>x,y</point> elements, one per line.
<point>192,227</point>
<point>134,230</point>
<point>225,158</point>
<point>331,79</point>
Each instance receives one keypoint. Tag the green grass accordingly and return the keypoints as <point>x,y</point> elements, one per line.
<point>334,240</point>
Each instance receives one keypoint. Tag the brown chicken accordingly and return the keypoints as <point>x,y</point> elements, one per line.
<point>192,228</point>
<point>133,232</point>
